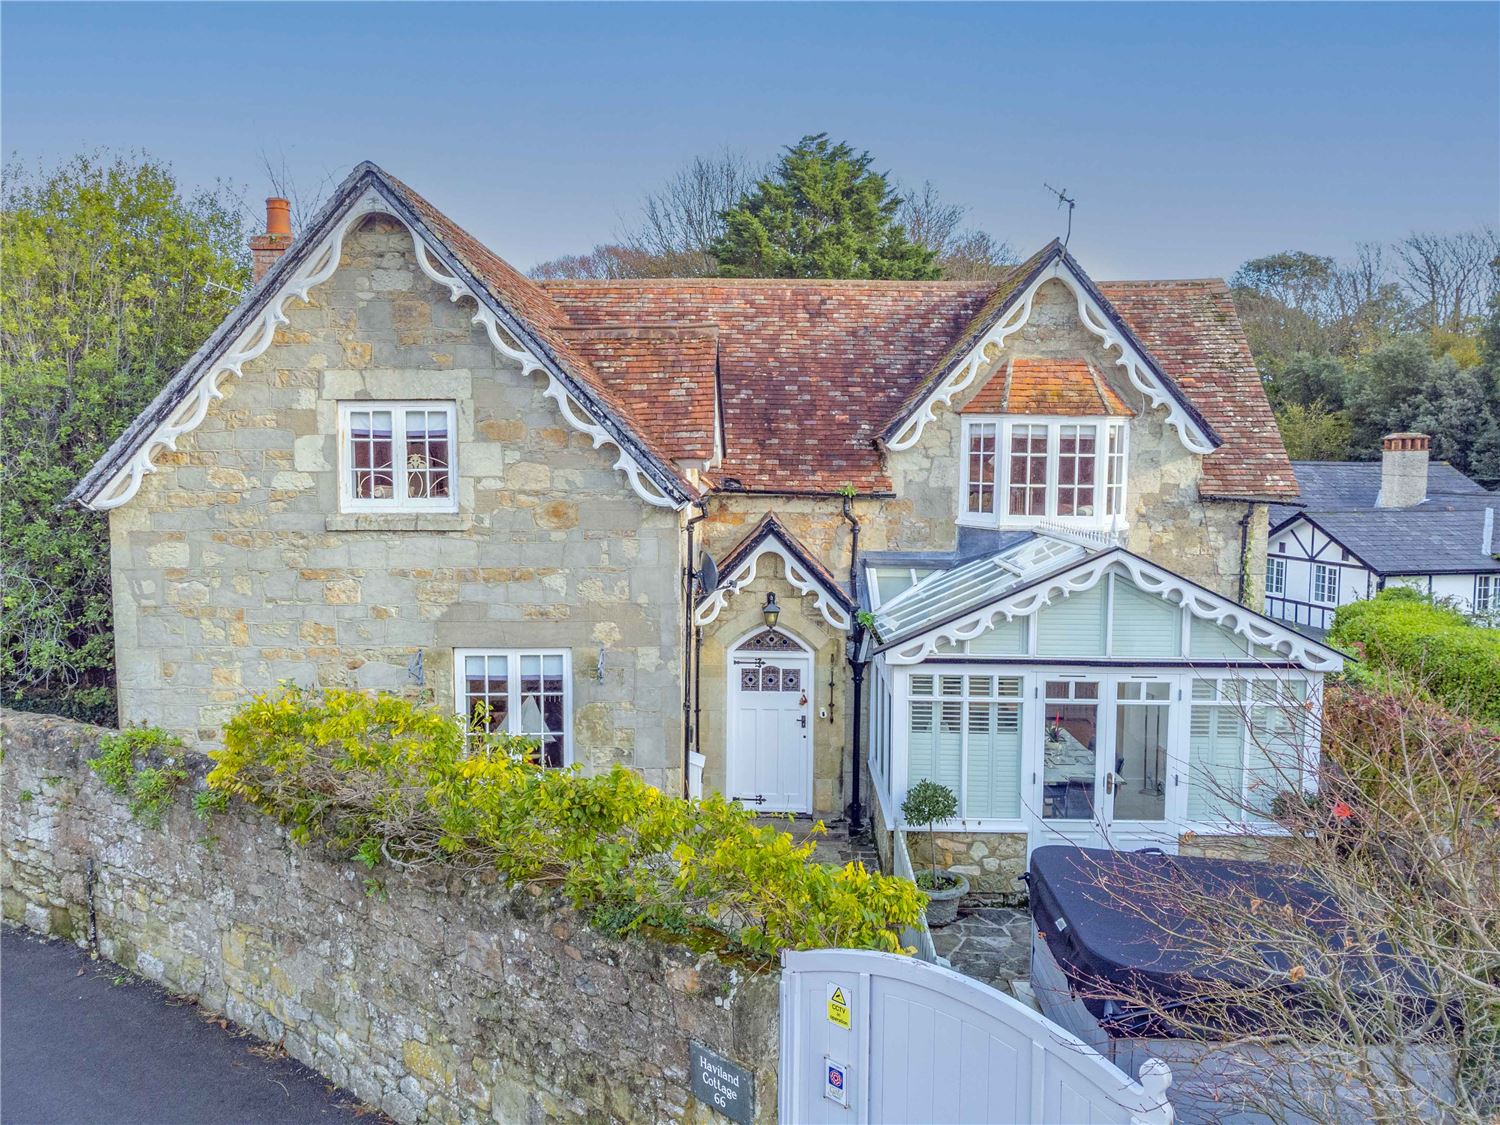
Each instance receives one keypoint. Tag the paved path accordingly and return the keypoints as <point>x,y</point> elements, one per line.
<point>989,943</point>
<point>80,1049</point>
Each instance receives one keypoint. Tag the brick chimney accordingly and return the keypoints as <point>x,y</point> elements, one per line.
<point>266,248</point>
<point>1403,470</point>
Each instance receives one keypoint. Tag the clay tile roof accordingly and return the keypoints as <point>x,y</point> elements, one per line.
<point>541,314</point>
<point>1069,387</point>
<point>808,370</point>
<point>1191,329</point>
<point>665,376</point>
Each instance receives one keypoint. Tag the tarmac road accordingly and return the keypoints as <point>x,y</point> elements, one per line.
<point>76,1048</point>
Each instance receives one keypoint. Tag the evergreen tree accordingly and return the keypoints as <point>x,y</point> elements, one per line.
<point>821,212</point>
<point>112,279</point>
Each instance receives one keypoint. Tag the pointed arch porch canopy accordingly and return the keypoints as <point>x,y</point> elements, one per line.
<point>803,573</point>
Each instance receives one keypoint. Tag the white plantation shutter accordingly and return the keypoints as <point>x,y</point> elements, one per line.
<point>994,777</point>
<point>1216,749</point>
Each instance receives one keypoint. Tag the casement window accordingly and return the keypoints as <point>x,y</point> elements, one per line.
<point>1275,576</point>
<point>1325,584</point>
<point>518,691</point>
<point>965,732</point>
<point>397,456</point>
<point>1487,593</point>
<point>1018,472</point>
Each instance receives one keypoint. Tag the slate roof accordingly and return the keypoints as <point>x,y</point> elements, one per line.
<point>1352,485</point>
<point>1396,541</point>
<point>1069,387</point>
<point>769,527</point>
<point>806,374</point>
<point>1442,535</point>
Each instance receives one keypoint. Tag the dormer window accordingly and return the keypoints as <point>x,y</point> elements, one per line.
<point>1071,470</point>
<point>1044,441</point>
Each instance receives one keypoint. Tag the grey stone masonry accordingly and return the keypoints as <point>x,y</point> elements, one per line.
<point>434,997</point>
<point>234,567</point>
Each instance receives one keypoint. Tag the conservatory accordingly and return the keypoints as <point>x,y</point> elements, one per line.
<point>1069,693</point>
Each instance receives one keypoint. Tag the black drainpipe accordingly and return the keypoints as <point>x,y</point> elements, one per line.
<point>855,663</point>
<point>689,655</point>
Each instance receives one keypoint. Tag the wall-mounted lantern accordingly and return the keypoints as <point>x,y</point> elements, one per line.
<point>770,611</point>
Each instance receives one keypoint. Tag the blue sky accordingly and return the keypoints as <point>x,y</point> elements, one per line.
<point>1193,136</point>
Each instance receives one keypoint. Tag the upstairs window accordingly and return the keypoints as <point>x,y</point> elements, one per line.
<point>1275,576</point>
<point>1018,472</point>
<point>397,456</point>
<point>1325,584</point>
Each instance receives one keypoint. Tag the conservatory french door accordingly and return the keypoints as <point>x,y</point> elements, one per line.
<point>1106,772</point>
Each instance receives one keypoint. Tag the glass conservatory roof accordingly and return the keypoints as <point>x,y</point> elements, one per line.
<point>948,593</point>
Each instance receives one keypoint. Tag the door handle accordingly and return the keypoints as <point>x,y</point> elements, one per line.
<point>803,720</point>
<point>1109,783</point>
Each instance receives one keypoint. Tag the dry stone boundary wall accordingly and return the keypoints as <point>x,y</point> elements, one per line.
<point>433,996</point>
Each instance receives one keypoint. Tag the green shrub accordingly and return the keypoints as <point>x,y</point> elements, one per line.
<point>1431,647</point>
<point>147,788</point>
<point>928,802</point>
<point>379,779</point>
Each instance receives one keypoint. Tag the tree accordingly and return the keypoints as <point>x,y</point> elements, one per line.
<point>113,277</point>
<point>821,212</point>
<point>963,254</point>
<point>1314,432</point>
<point>1449,275</point>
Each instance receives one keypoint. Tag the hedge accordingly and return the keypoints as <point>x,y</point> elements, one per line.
<point>384,781</point>
<point>1432,647</point>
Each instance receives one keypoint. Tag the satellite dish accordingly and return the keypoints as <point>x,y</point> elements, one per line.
<point>708,574</point>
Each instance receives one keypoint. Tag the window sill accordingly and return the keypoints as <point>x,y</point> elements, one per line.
<point>398,521</point>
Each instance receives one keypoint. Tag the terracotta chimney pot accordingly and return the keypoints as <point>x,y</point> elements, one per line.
<point>266,249</point>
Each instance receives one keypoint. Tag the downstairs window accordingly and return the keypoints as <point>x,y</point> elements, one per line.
<point>518,691</point>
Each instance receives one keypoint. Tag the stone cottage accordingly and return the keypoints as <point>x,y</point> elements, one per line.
<point>798,542</point>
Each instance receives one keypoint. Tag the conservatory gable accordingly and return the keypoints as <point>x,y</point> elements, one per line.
<point>1048,600</point>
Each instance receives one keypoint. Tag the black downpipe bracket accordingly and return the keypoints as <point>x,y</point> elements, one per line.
<point>856,665</point>
<point>689,650</point>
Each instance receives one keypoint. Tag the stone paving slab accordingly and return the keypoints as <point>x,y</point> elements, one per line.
<point>989,943</point>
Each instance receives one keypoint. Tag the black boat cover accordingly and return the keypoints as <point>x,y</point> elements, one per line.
<point>1141,924</point>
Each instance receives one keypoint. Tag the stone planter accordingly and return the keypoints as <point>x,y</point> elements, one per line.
<point>942,906</point>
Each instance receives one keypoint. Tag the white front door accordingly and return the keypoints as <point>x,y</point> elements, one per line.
<point>1106,778</point>
<point>770,725</point>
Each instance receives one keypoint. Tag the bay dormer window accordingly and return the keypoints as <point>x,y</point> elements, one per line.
<point>1044,441</point>
<point>1020,472</point>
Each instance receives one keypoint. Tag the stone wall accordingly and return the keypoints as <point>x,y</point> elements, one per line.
<point>1170,523</point>
<point>991,861</point>
<point>234,569</point>
<point>433,997</point>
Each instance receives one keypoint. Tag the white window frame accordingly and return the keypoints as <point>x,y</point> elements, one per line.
<point>1486,594</point>
<point>1106,493</point>
<point>399,502</point>
<point>1276,566</point>
<point>1320,573</point>
<point>513,688</point>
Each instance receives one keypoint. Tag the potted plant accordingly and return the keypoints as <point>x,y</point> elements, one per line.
<point>928,802</point>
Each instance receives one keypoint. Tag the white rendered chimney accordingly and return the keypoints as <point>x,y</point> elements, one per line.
<point>1403,470</point>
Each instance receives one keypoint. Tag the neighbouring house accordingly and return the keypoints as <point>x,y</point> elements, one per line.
<point>797,542</point>
<point>1366,525</point>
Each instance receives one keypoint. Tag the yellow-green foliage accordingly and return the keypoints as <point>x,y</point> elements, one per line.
<point>378,778</point>
<point>148,789</point>
<point>1435,649</point>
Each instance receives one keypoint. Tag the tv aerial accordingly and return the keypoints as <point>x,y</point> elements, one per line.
<point>1064,197</point>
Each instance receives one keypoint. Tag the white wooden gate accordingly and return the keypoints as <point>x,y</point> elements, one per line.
<point>876,1038</point>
